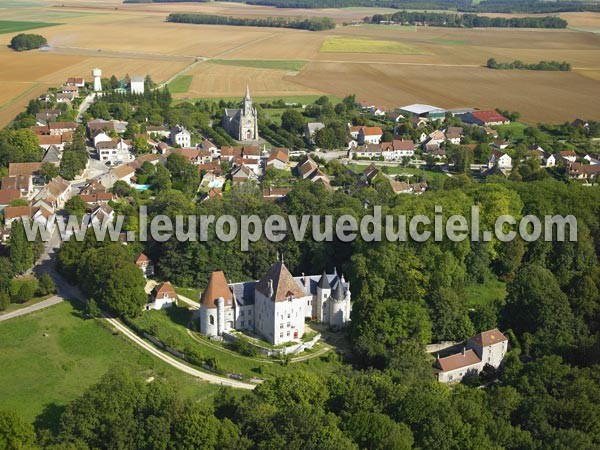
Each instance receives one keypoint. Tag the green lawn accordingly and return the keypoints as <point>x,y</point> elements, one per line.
<point>181,84</point>
<point>45,372</point>
<point>14,26</point>
<point>397,170</point>
<point>481,294</point>
<point>191,293</point>
<point>358,45</point>
<point>168,326</point>
<point>282,64</point>
<point>515,129</point>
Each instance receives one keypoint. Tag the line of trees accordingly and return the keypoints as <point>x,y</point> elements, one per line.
<point>520,65</point>
<point>22,42</point>
<point>453,20</point>
<point>312,24</point>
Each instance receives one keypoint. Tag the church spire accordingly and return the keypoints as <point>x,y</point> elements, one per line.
<point>247,97</point>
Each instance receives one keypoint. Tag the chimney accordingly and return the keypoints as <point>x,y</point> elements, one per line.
<point>270,288</point>
<point>464,351</point>
<point>304,279</point>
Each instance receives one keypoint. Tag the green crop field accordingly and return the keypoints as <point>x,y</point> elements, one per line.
<point>357,45</point>
<point>281,64</point>
<point>449,41</point>
<point>13,26</point>
<point>181,84</point>
<point>50,357</point>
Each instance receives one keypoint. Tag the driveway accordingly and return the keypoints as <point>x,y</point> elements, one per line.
<point>29,309</point>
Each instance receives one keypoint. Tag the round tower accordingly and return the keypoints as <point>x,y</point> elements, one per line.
<point>97,74</point>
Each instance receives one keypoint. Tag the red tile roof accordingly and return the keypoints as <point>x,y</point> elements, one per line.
<point>6,195</point>
<point>489,116</point>
<point>217,287</point>
<point>457,361</point>
<point>489,337</point>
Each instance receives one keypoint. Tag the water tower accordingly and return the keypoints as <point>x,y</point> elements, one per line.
<point>97,73</point>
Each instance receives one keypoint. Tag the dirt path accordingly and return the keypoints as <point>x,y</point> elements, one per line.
<point>214,379</point>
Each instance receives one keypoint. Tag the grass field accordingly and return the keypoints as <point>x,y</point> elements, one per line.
<point>181,84</point>
<point>358,45</point>
<point>429,175</point>
<point>292,64</point>
<point>13,26</point>
<point>481,294</point>
<point>50,357</point>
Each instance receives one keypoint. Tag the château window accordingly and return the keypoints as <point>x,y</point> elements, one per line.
<point>212,320</point>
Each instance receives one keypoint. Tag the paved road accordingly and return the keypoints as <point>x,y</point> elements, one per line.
<point>214,379</point>
<point>29,309</point>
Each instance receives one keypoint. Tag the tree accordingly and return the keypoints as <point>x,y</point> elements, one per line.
<point>46,285</point>
<point>75,206</point>
<point>15,433</point>
<point>20,249</point>
<point>24,41</point>
<point>25,293</point>
<point>293,121</point>
<point>4,300</point>
<point>536,305</point>
<point>140,145</point>
<point>325,138</point>
<point>374,431</point>
<point>48,171</point>
<point>92,309</point>
<point>7,272</point>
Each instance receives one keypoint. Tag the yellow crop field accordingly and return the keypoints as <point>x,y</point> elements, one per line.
<point>360,45</point>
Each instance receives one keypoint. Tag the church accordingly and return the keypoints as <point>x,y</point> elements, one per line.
<point>242,124</point>
<point>276,306</point>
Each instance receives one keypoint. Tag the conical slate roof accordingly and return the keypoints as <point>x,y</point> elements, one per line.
<point>217,287</point>
<point>339,292</point>
<point>284,284</point>
<point>324,281</point>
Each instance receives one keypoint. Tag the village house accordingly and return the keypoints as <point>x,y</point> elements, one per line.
<point>454,134</point>
<point>24,183</point>
<point>145,264</point>
<point>55,193</point>
<point>212,148</point>
<point>180,136</point>
<point>194,155</point>
<point>276,306</point>
<point>592,158</point>
<point>158,131</point>
<point>7,196</point>
<point>31,169</point>
<point>120,173</point>
<point>311,130</point>
<point>45,142</point>
<point>12,213</point>
<point>115,151</point>
<point>163,296</point>
<point>242,174</point>
<point>370,135</point>
<point>47,115</point>
<point>568,156</point>
<point>60,128</point>
<point>278,159</point>
<point>75,81</point>
<point>485,349</point>
<point>275,193</point>
<point>578,171</point>
<point>52,156</point>
<point>101,215</point>
<point>500,160</point>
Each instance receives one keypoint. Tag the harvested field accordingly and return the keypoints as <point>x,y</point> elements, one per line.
<point>13,89</point>
<point>539,96</point>
<point>216,80</point>
<point>360,45</point>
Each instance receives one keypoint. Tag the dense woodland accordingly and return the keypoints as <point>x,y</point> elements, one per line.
<point>491,6</point>
<point>520,65</point>
<point>451,20</point>
<point>312,24</point>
